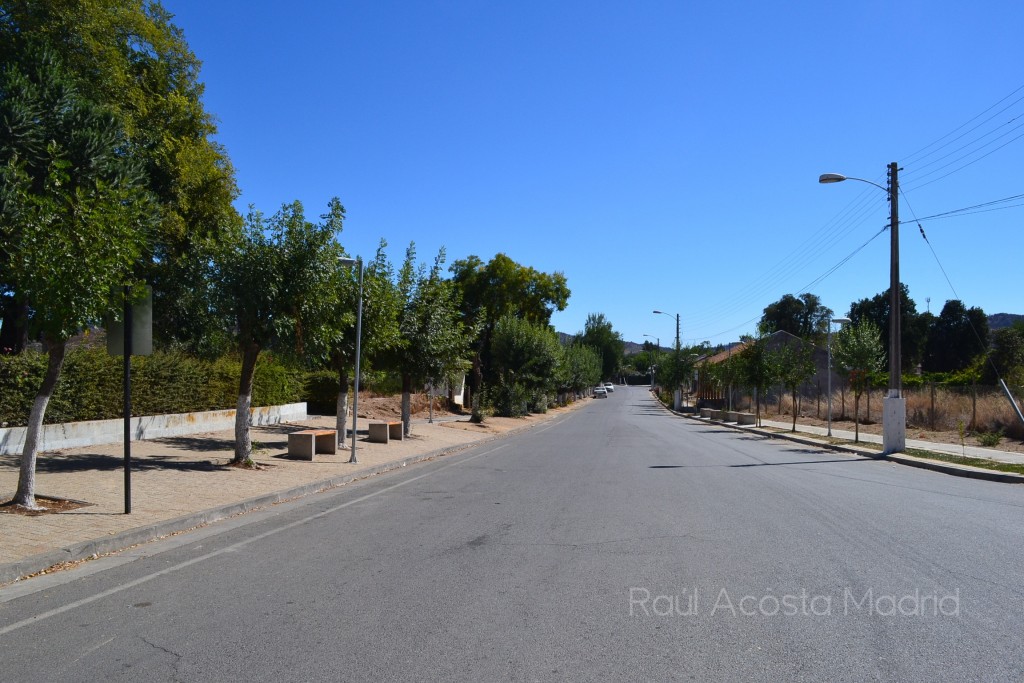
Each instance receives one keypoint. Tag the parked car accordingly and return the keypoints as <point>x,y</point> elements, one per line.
<point>600,392</point>
<point>609,386</point>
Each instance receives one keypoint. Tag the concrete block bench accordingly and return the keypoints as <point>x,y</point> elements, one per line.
<point>306,443</point>
<point>382,432</point>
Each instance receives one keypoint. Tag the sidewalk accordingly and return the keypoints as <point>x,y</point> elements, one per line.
<point>948,448</point>
<point>182,482</point>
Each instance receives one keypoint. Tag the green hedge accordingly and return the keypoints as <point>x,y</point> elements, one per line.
<point>91,385</point>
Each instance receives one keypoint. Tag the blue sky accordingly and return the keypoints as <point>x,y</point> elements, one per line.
<point>663,155</point>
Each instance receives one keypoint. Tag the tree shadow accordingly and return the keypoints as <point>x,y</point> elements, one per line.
<point>107,463</point>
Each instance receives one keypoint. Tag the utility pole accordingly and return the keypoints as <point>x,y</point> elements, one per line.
<point>894,421</point>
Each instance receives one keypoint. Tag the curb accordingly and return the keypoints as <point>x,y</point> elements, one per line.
<point>14,571</point>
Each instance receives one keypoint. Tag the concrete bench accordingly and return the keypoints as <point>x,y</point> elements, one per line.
<point>382,432</point>
<point>306,443</point>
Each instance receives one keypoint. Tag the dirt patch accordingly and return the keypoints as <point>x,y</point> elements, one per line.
<point>47,506</point>
<point>389,408</point>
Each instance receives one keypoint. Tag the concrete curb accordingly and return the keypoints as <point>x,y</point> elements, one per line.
<point>13,571</point>
<point>911,461</point>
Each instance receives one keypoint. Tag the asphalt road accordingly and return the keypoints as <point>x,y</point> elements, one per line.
<point>616,543</point>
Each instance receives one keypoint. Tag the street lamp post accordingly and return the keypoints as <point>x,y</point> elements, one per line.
<point>359,338</point>
<point>677,395</point>
<point>894,416</point>
<point>653,365</point>
<point>829,346</point>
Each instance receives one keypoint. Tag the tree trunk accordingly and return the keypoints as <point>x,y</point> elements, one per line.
<point>341,408</point>
<point>406,404</point>
<point>794,410</point>
<point>26,493</point>
<point>243,440</point>
<point>856,416</point>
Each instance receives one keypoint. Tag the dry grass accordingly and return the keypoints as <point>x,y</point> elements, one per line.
<point>986,412</point>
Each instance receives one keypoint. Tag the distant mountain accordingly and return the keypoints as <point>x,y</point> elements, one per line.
<point>1000,320</point>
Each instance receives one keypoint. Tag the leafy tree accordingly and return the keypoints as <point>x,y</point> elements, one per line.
<point>380,324</point>
<point>1007,355</point>
<point>526,356</point>
<point>266,285</point>
<point>498,288</point>
<point>599,335</point>
<point>957,337</point>
<point>580,368</point>
<point>129,58</point>
<point>794,363</point>
<point>913,326</point>
<point>73,215</point>
<point>758,370</point>
<point>434,339</point>
<point>857,349</point>
<point>805,317</point>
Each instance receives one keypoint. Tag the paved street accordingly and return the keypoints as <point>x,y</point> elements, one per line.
<point>617,542</point>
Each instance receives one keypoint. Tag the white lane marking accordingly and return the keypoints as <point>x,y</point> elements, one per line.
<point>227,549</point>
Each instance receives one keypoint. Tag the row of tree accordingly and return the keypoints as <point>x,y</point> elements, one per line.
<point>957,340</point>
<point>109,178</point>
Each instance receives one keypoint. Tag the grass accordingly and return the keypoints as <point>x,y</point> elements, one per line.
<point>962,460</point>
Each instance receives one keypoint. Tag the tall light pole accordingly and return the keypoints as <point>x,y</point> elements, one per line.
<point>359,338</point>
<point>829,346</point>
<point>677,396</point>
<point>894,415</point>
<point>653,366</point>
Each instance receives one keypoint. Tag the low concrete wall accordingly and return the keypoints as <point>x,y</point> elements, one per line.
<point>746,419</point>
<point>717,415</point>
<point>732,416</point>
<point>705,412</point>
<point>77,434</point>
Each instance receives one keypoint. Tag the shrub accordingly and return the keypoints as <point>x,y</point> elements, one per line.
<point>322,392</point>
<point>990,439</point>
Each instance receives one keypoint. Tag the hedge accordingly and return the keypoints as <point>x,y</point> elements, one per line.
<point>91,385</point>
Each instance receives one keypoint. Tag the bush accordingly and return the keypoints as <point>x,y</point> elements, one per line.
<point>990,439</point>
<point>91,385</point>
<point>510,400</point>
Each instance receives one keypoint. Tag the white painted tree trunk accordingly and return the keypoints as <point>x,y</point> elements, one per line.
<point>243,440</point>
<point>341,409</point>
<point>26,492</point>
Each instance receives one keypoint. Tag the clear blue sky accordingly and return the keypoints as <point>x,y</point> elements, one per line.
<point>663,155</point>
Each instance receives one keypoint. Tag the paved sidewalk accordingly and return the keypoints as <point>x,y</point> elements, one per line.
<point>182,482</point>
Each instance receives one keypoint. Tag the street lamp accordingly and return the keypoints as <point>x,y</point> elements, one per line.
<point>829,346</point>
<point>894,416</point>
<point>349,262</point>
<point>677,396</point>
<point>651,336</point>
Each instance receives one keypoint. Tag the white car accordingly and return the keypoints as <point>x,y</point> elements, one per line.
<point>609,387</point>
<point>600,392</point>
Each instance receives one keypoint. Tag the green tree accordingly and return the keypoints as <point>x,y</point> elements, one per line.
<point>913,326</point>
<point>526,356</point>
<point>956,338</point>
<point>434,338</point>
<point>805,317</point>
<point>758,369</point>
<point>381,305</point>
<point>579,369</point>
<point>857,349</point>
<point>266,285</point>
<point>599,334</point>
<point>1007,355</point>
<point>129,58</point>
<point>794,362</point>
<point>498,288</point>
<point>73,215</point>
